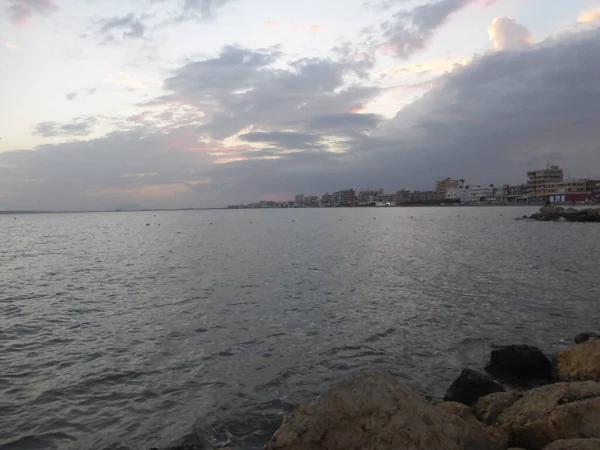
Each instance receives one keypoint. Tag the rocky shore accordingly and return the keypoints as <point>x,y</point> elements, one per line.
<point>556,213</point>
<point>524,401</point>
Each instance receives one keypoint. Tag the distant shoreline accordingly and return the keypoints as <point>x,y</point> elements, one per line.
<point>26,212</point>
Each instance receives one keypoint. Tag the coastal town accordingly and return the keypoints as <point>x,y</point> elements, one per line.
<point>547,185</point>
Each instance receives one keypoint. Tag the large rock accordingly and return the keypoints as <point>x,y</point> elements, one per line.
<point>584,337</point>
<point>579,362</point>
<point>477,435</point>
<point>574,444</point>
<point>470,386</point>
<point>553,412</point>
<point>520,364</point>
<point>369,412</point>
<point>488,408</point>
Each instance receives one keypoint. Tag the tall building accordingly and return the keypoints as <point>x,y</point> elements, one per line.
<point>543,182</point>
<point>326,199</point>
<point>442,186</point>
<point>299,199</point>
<point>346,197</point>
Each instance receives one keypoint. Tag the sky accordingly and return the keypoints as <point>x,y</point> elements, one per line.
<point>204,103</point>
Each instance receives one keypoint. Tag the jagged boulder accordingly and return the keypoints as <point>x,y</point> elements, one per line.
<point>583,337</point>
<point>520,364</point>
<point>476,434</point>
<point>488,408</point>
<point>549,413</point>
<point>574,444</point>
<point>470,386</point>
<point>579,362</point>
<point>372,411</point>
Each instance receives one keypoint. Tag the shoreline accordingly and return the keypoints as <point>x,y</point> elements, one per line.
<point>531,205</point>
<point>525,400</point>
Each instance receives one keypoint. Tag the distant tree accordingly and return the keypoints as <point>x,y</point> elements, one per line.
<point>462,183</point>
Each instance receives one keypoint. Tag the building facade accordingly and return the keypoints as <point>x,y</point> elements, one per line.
<point>442,186</point>
<point>458,194</point>
<point>512,194</point>
<point>543,182</point>
<point>482,194</point>
<point>368,197</point>
<point>346,197</point>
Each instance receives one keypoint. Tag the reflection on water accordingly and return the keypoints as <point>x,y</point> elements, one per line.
<point>113,333</point>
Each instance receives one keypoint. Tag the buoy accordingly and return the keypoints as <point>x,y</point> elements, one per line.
<point>147,224</point>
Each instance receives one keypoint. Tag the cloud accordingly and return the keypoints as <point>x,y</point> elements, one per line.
<point>80,127</point>
<point>125,79</point>
<point>240,88</point>
<point>21,11</point>
<point>71,95</point>
<point>275,127</point>
<point>296,27</point>
<point>9,46</point>
<point>589,16</point>
<point>194,9</point>
<point>285,139</point>
<point>207,8</point>
<point>130,26</point>
<point>410,31</point>
<point>506,34</point>
<point>500,115</point>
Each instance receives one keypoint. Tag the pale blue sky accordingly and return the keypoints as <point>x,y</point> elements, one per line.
<point>70,71</point>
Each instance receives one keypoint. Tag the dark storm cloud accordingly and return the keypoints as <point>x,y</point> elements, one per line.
<point>343,122</point>
<point>501,115</point>
<point>101,172</point>
<point>80,127</point>
<point>130,26</point>
<point>239,88</point>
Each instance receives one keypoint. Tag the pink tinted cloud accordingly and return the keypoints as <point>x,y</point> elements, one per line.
<point>296,27</point>
<point>21,11</point>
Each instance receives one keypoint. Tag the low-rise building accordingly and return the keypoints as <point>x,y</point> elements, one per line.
<point>482,194</point>
<point>573,191</point>
<point>512,194</point>
<point>401,197</point>
<point>427,197</point>
<point>367,197</point>
<point>326,199</point>
<point>458,194</point>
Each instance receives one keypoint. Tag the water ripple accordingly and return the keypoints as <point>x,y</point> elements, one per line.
<point>118,336</point>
